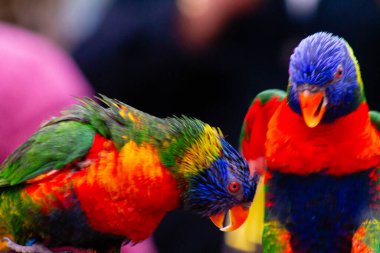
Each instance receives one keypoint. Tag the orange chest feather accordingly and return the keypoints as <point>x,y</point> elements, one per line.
<point>127,192</point>
<point>348,145</point>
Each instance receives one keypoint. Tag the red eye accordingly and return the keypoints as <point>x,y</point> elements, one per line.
<point>339,72</point>
<point>233,187</point>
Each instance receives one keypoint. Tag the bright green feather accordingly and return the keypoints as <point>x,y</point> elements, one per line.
<point>266,95</point>
<point>68,138</point>
<point>375,118</point>
<point>52,147</point>
<point>16,214</point>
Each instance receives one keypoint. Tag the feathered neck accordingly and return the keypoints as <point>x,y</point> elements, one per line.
<point>190,146</point>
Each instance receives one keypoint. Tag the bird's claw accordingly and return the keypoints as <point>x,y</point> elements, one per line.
<point>35,248</point>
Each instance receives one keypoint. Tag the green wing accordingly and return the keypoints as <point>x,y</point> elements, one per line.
<point>52,147</point>
<point>375,119</point>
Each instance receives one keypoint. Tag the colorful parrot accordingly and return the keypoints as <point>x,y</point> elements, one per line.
<point>99,175</point>
<point>318,149</point>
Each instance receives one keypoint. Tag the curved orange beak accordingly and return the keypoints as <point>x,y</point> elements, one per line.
<point>313,106</point>
<point>232,219</point>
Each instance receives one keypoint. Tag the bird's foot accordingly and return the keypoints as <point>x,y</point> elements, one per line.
<point>35,248</point>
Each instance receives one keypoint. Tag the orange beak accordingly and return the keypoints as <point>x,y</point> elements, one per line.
<point>232,219</point>
<point>313,106</point>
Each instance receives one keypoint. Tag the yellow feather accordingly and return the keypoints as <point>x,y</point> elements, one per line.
<point>207,146</point>
<point>357,67</point>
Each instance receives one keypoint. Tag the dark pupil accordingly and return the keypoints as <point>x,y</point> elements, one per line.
<point>234,185</point>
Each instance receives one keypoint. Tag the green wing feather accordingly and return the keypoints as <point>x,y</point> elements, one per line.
<point>64,139</point>
<point>267,95</point>
<point>52,147</point>
<point>375,119</point>
<point>68,137</point>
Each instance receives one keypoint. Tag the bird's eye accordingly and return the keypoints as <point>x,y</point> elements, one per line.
<point>234,187</point>
<point>339,72</point>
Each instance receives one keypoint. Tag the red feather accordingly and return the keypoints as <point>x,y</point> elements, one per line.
<point>124,192</point>
<point>348,145</point>
<point>255,129</point>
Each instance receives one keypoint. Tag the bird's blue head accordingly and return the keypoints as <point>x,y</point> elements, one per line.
<point>324,79</point>
<point>224,191</point>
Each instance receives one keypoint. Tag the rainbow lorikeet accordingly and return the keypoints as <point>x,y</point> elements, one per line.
<point>318,147</point>
<point>101,174</point>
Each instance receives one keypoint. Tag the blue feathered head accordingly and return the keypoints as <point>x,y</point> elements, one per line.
<point>224,191</point>
<point>324,79</point>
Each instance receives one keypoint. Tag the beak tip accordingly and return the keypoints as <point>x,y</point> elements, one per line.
<point>313,107</point>
<point>311,124</point>
<point>236,216</point>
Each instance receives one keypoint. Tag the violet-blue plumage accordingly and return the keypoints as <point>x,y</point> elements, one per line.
<point>320,211</point>
<point>210,198</point>
<point>323,62</point>
<point>316,58</point>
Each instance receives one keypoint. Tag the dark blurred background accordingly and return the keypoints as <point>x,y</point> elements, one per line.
<point>202,58</point>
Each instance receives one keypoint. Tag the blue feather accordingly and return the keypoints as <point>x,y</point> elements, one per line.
<point>315,62</point>
<point>320,211</point>
<point>208,191</point>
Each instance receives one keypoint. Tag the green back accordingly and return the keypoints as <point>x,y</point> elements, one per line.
<point>68,138</point>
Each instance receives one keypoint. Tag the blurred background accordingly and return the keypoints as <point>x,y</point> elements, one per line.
<point>202,58</point>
